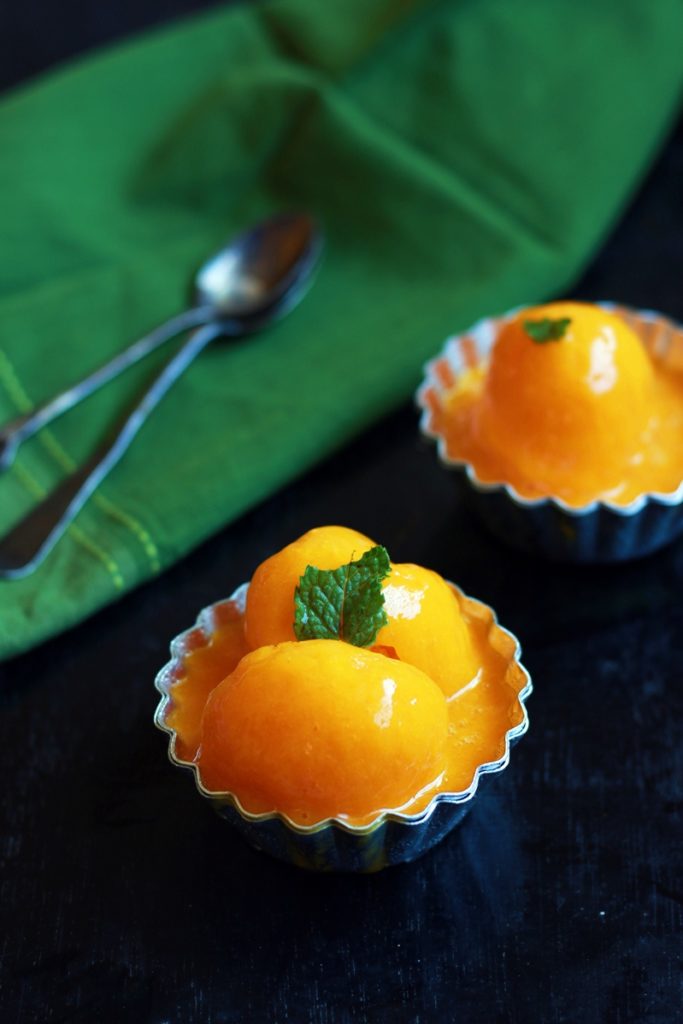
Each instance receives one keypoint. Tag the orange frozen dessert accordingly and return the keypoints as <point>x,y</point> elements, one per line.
<point>321,729</point>
<point>346,686</point>
<point>569,405</point>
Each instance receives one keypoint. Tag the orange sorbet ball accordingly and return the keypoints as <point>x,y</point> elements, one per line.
<point>426,627</point>
<point>270,599</point>
<point>320,729</point>
<point>572,408</point>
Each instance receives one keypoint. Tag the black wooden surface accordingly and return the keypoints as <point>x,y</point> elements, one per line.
<point>122,898</point>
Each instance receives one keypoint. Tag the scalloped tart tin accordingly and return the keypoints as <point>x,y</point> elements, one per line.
<point>598,532</point>
<point>334,844</point>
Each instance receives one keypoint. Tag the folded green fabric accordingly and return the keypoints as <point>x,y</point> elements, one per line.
<point>464,157</point>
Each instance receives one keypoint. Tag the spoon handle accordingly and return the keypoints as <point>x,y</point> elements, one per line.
<point>27,543</point>
<point>23,427</point>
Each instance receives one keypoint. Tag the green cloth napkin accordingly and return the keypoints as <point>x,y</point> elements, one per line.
<point>464,157</point>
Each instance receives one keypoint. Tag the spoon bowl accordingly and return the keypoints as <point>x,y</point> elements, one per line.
<point>260,267</point>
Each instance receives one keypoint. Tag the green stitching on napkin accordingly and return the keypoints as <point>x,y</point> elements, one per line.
<point>21,398</point>
<point>37,491</point>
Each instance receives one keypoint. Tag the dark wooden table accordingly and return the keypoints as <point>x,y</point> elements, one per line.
<point>122,898</point>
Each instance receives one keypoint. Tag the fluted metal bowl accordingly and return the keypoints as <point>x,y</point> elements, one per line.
<point>601,531</point>
<point>334,844</point>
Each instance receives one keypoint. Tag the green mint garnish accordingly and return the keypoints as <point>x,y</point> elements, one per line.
<point>345,603</point>
<point>546,329</point>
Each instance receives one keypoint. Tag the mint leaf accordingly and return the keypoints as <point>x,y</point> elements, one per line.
<point>345,603</point>
<point>546,329</point>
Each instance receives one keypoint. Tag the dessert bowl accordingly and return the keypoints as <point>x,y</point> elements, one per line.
<point>334,844</point>
<point>599,531</point>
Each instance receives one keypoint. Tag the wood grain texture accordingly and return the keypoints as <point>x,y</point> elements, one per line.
<point>559,900</point>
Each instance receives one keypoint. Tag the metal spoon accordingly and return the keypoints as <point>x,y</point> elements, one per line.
<point>257,267</point>
<point>269,272</point>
